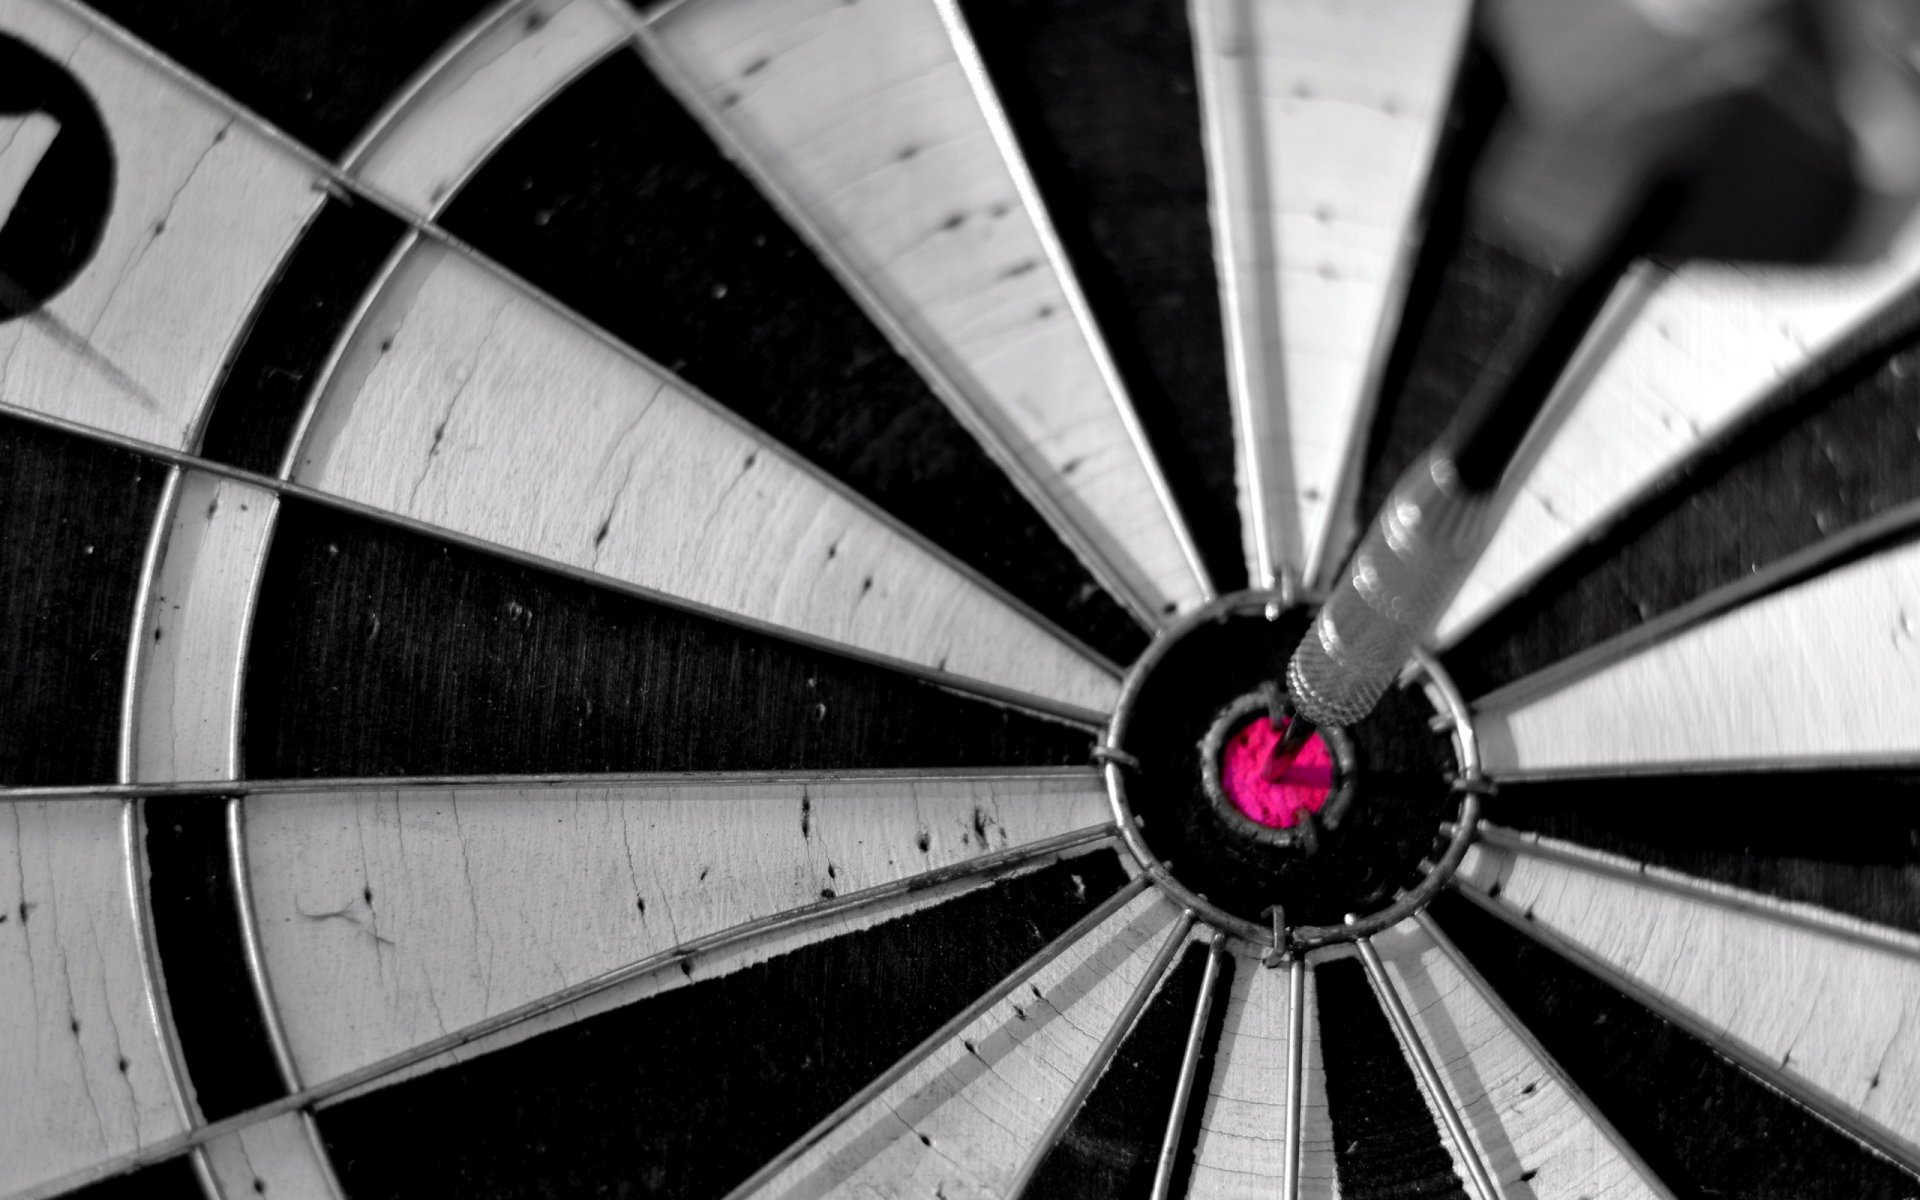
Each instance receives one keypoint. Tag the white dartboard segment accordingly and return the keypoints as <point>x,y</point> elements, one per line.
<point>476,93</point>
<point>486,897</point>
<point>861,121</point>
<point>1709,346</point>
<point>962,1123</point>
<point>85,1067</point>
<point>1825,672</point>
<point>278,1157</point>
<point>467,404</point>
<point>1322,119</point>
<point>184,711</point>
<point>1240,1150</point>
<point>1536,1134</point>
<point>204,210</point>
<point>1823,1006</point>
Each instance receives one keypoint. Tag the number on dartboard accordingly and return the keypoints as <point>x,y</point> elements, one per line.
<point>56,178</point>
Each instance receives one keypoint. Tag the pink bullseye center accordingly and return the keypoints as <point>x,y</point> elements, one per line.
<point>1275,803</point>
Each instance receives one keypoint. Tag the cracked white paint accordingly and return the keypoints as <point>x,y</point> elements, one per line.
<point>961,1123</point>
<point>1836,1016</point>
<point>508,422</point>
<point>274,1158</point>
<point>1712,343</point>
<point>83,1074</point>
<point>1533,1135</point>
<point>1323,117</point>
<point>1240,1150</point>
<point>487,898</point>
<point>1823,672</point>
<point>862,115</point>
<point>204,211</point>
<point>424,150</point>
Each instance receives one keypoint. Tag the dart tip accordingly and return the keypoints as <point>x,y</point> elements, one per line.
<point>1292,740</point>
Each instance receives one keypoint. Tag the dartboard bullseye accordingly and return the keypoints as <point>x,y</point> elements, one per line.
<point>603,598</point>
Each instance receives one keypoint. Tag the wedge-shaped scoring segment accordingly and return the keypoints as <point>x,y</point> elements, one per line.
<point>1710,345</point>
<point>466,403</point>
<point>861,121</point>
<point>85,1069</point>
<point>964,1121</point>
<point>1823,673</point>
<point>1244,1108</point>
<point>1822,1006</point>
<point>203,209</point>
<point>1322,121</point>
<point>466,102</point>
<point>1525,1120</point>
<point>389,918</point>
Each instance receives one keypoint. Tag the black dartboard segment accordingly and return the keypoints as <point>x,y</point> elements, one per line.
<point>320,72</point>
<point>379,652</point>
<point>614,200</point>
<point>1102,97</point>
<point>1705,1127</point>
<point>1385,1141</point>
<point>224,1043</point>
<point>74,521</point>
<point>1112,1148</point>
<point>259,402</point>
<point>687,1093</point>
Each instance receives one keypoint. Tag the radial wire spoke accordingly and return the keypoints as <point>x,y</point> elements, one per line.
<point>1189,1069</point>
<point>1102,1056</point>
<point>1466,1154</point>
<point>1294,1123</point>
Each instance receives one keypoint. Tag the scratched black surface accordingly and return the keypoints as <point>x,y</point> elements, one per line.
<point>320,72</point>
<point>1705,1127</point>
<point>688,1092</point>
<point>616,201</point>
<point>1385,1142</point>
<point>196,935</point>
<point>1844,840</point>
<point>74,519</point>
<point>263,391</point>
<point>380,652</point>
<point>1112,1147</point>
<point>1101,95</point>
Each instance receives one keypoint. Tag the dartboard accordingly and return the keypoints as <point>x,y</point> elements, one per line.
<point>605,601</point>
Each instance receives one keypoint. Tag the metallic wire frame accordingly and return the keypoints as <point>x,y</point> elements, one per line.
<point>220,789</point>
<point>667,68</point>
<point>1454,714</point>
<point>1102,1055</point>
<point>1768,1073</point>
<point>1819,922</point>
<point>931,1044</point>
<point>983,869</point>
<point>337,181</point>
<point>1291,1148</point>
<point>1189,1068</point>
<point>1525,1037</point>
<point>1465,1152</point>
